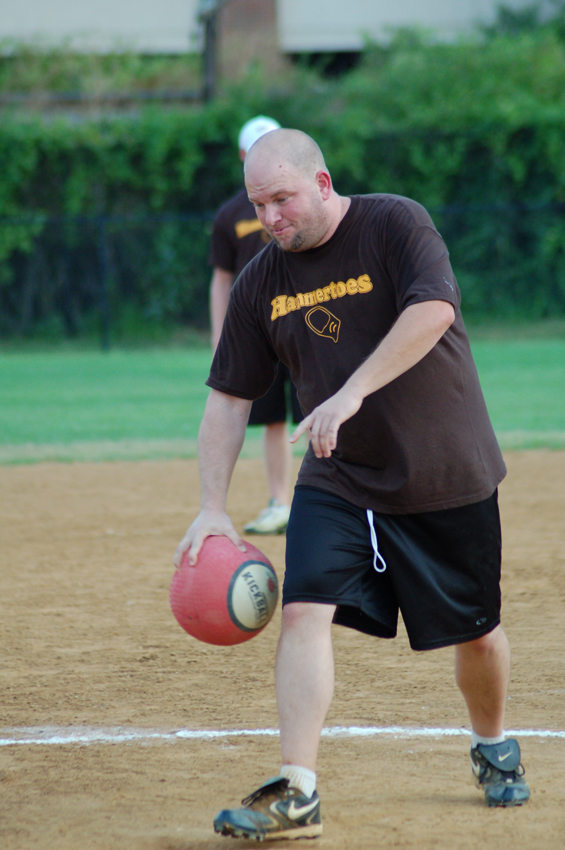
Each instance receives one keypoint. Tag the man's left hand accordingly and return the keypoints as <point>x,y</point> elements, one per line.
<point>324,422</point>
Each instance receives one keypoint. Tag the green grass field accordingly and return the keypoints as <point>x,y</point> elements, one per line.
<point>92,405</point>
<point>524,386</point>
<point>74,405</point>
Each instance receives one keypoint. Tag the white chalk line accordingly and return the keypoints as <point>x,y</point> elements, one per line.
<point>45,735</point>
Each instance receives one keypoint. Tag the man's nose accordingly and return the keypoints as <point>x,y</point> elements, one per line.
<point>272,215</point>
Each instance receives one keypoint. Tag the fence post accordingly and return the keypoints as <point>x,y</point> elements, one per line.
<point>208,13</point>
<point>104,297</point>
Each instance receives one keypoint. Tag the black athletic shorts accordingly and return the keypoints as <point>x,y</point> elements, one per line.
<point>279,401</point>
<point>441,569</point>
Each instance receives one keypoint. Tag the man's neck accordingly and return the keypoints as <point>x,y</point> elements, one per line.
<point>340,205</point>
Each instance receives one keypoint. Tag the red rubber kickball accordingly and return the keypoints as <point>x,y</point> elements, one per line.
<point>228,596</point>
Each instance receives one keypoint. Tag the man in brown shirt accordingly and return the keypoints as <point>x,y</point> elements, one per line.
<point>396,502</point>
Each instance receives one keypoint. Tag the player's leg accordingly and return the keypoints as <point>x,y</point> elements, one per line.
<point>304,680</point>
<point>277,448</point>
<point>329,578</point>
<point>446,568</point>
<point>288,806</point>
<point>270,411</point>
<point>482,672</point>
<point>329,559</point>
<point>277,453</point>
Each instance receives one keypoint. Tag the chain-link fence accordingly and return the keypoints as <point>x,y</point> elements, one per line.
<point>95,274</point>
<point>111,275</point>
<point>509,259</point>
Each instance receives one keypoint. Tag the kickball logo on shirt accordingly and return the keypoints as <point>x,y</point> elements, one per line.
<point>323,323</point>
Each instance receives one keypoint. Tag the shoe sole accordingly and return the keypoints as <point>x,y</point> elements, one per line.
<point>311,831</point>
<point>498,804</point>
<point>505,804</point>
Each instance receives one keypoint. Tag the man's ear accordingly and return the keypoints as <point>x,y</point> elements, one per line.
<point>324,183</point>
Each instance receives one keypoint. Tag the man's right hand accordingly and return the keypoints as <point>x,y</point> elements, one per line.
<point>208,523</point>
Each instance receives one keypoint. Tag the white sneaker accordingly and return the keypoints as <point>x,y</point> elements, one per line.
<point>272,520</point>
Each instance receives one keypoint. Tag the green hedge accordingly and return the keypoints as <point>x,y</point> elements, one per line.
<point>475,131</point>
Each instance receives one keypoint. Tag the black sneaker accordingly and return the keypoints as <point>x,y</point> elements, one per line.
<point>275,810</point>
<point>497,770</point>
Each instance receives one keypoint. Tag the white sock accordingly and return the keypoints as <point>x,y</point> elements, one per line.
<point>480,739</point>
<point>300,777</point>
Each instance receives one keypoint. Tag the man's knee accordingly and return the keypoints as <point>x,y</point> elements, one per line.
<point>485,646</point>
<point>307,615</point>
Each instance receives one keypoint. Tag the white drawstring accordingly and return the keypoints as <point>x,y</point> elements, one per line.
<point>375,545</point>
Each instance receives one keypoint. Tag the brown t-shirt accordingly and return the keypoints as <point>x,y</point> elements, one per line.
<point>237,235</point>
<point>423,442</point>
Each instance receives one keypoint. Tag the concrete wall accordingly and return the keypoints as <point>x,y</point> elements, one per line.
<point>170,26</point>
<point>147,26</point>
<point>333,25</point>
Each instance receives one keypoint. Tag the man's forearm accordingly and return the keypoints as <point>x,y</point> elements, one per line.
<point>220,439</point>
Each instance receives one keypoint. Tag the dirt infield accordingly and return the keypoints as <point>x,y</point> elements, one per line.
<point>88,640</point>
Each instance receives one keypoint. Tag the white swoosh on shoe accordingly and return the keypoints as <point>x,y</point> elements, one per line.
<point>294,813</point>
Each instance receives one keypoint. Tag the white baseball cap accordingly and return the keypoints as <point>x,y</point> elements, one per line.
<point>254,129</point>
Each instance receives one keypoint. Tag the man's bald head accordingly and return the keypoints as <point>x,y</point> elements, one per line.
<point>287,147</point>
<point>289,185</point>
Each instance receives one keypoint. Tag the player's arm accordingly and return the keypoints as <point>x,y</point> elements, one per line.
<point>220,438</point>
<point>418,328</point>
<point>220,288</point>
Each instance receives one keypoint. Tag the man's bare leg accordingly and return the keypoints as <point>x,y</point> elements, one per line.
<point>482,669</point>
<point>277,457</point>
<point>288,805</point>
<point>304,676</point>
<point>482,672</point>
<point>278,461</point>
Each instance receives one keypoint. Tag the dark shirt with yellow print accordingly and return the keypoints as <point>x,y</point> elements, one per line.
<point>237,235</point>
<point>423,442</point>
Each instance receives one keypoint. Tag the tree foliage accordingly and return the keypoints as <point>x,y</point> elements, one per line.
<point>474,130</point>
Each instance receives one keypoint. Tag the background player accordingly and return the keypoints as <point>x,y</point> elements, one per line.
<point>237,237</point>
